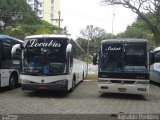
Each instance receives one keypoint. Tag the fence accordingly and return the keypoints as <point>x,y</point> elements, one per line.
<point>92,69</point>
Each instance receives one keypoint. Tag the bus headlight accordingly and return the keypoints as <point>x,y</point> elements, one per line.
<point>141,89</point>
<point>142,82</point>
<point>61,82</point>
<point>25,81</point>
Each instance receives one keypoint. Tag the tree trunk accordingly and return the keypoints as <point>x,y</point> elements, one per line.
<point>157,37</point>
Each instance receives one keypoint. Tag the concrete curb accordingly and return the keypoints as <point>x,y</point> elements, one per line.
<point>90,80</point>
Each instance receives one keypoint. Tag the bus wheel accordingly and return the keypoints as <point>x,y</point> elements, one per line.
<point>12,82</point>
<point>73,83</point>
<point>83,76</point>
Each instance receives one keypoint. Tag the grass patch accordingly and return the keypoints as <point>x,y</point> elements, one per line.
<point>93,77</point>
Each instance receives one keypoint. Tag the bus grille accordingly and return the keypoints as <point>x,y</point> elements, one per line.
<point>115,81</point>
<point>129,82</point>
<point>122,81</point>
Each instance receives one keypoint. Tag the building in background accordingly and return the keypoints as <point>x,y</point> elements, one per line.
<point>46,9</point>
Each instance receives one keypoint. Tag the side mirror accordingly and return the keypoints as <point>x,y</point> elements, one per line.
<point>157,57</point>
<point>154,57</point>
<point>95,59</point>
<point>15,52</point>
<point>68,50</point>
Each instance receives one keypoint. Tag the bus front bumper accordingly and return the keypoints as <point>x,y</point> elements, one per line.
<point>118,88</point>
<point>61,85</point>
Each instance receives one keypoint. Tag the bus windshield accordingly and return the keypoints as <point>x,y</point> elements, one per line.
<point>127,58</point>
<point>0,54</point>
<point>45,56</point>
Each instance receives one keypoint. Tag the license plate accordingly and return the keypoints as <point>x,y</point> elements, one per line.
<point>122,89</point>
<point>42,88</point>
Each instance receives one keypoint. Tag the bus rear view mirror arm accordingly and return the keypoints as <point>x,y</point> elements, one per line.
<point>14,49</point>
<point>68,50</point>
<point>95,59</point>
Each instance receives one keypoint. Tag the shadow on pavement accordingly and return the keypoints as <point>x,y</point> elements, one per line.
<point>6,89</point>
<point>155,83</point>
<point>64,117</point>
<point>123,96</point>
<point>46,94</point>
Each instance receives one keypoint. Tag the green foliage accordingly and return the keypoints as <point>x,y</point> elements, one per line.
<point>139,29</point>
<point>15,12</point>
<point>18,33</point>
<point>93,45</point>
<point>83,43</point>
<point>93,36</point>
<point>46,28</point>
<point>18,18</point>
<point>151,19</point>
<point>20,21</point>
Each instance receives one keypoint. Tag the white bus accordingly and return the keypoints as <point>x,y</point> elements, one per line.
<point>155,70</point>
<point>9,75</point>
<point>51,62</point>
<point>124,66</point>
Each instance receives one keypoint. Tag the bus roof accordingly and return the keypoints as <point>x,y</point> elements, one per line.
<point>6,36</point>
<point>48,36</point>
<point>127,40</point>
<point>157,49</point>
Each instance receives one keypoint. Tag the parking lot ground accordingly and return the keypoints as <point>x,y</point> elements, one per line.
<point>84,100</point>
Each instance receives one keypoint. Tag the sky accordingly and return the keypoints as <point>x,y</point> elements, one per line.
<point>77,14</point>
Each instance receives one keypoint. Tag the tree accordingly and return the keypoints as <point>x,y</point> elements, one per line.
<point>14,12</point>
<point>139,7</point>
<point>83,43</point>
<point>138,29</point>
<point>18,18</point>
<point>46,28</point>
<point>93,35</point>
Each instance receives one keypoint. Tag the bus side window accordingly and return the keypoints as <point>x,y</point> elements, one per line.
<point>6,57</point>
<point>17,55</point>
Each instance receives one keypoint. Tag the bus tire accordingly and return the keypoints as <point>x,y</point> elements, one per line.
<point>73,83</point>
<point>83,76</point>
<point>12,82</point>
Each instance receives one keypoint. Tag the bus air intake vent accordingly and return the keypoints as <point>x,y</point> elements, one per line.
<point>115,81</point>
<point>129,82</point>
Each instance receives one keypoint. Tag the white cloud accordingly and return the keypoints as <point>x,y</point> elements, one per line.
<point>77,14</point>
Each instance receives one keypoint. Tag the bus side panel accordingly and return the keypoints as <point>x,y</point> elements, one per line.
<point>70,78</point>
<point>6,61</point>
<point>155,72</point>
<point>155,76</point>
<point>4,77</point>
<point>79,69</point>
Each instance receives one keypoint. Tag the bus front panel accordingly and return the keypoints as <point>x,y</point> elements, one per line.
<point>123,66</point>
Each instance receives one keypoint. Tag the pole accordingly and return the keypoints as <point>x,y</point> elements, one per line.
<point>87,56</point>
<point>59,21</point>
<point>112,24</point>
<point>90,31</point>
